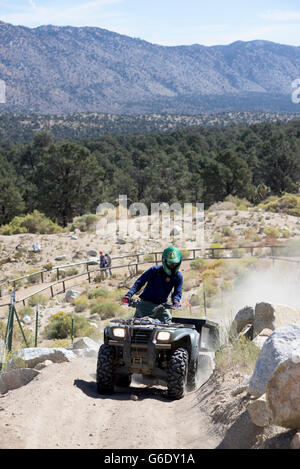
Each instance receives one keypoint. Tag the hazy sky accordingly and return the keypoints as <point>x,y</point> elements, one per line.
<point>167,22</point>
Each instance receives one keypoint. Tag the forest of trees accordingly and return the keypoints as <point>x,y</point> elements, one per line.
<point>67,178</point>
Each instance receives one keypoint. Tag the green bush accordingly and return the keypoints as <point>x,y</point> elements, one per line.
<point>198,263</point>
<point>37,299</point>
<point>97,292</point>
<point>240,204</point>
<point>60,326</point>
<point>287,203</point>
<point>219,250</point>
<point>33,279</point>
<point>106,309</point>
<point>81,303</point>
<point>272,232</point>
<point>25,311</point>
<point>86,222</point>
<point>35,222</point>
<point>149,257</point>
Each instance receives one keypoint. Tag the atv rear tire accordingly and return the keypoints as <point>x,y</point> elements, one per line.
<point>177,373</point>
<point>105,370</point>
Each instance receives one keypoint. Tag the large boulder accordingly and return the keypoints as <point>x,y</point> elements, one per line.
<point>33,355</point>
<point>243,317</point>
<point>259,412</point>
<point>283,394</point>
<point>273,316</point>
<point>16,378</point>
<point>281,345</point>
<point>85,347</point>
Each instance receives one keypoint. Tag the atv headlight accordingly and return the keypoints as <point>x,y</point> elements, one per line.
<point>119,332</point>
<point>163,336</point>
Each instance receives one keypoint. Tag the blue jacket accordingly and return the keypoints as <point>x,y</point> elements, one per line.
<point>159,285</point>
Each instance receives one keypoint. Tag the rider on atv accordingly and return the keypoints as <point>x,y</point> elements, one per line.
<point>160,280</point>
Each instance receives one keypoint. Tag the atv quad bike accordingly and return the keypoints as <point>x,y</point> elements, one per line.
<point>170,353</point>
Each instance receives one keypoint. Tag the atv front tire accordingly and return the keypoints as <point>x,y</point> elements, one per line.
<point>177,374</point>
<point>192,376</point>
<point>123,381</point>
<point>105,370</point>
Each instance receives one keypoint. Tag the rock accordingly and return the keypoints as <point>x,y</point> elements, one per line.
<point>42,365</point>
<point>259,412</point>
<point>21,249</point>
<point>33,355</point>
<point>240,388</point>
<point>262,337</point>
<point>283,395</point>
<point>71,295</point>
<point>93,260</point>
<point>27,320</point>
<point>85,342</point>
<point>295,443</point>
<point>176,231</point>
<point>121,241</point>
<point>85,347</point>
<point>278,347</point>
<point>93,324</point>
<point>272,316</point>
<point>85,353</point>
<point>60,258</point>
<point>36,247</point>
<point>243,317</point>
<point>14,379</point>
<point>92,253</point>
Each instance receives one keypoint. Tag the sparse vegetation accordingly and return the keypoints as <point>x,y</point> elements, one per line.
<point>240,354</point>
<point>287,204</point>
<point>38,299</point>
<point>35,222</point>
<point>81,303</point>
<point>60,326</point>
<point>83,223</point>
<point>106,309</point>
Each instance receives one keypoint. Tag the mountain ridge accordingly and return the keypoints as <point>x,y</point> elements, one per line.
<point>67,69</point>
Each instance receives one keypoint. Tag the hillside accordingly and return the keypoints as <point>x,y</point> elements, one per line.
<point>22,128</point>
<point>59,70</point>
<point>72,415</point>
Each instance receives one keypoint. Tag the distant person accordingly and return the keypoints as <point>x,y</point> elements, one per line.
<point>102,262</point>
<point>108,263</point>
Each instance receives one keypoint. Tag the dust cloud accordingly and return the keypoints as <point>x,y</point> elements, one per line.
<point>278,283</point>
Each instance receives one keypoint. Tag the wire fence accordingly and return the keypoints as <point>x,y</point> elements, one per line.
<point>60,270</point>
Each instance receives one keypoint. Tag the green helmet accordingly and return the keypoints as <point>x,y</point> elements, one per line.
<point>171,257</point>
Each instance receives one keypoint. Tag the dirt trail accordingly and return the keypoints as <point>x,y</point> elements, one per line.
<point>61,409</point>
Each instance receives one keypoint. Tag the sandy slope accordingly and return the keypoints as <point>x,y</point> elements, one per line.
<point>61,409</point>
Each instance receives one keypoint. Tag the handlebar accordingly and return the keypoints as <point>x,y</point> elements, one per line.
<point>134,303</point>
